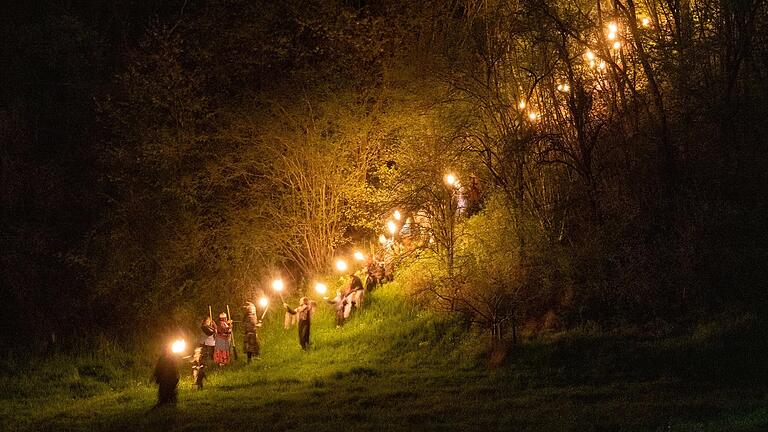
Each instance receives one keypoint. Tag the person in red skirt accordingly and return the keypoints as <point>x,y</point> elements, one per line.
<point>223,340</point>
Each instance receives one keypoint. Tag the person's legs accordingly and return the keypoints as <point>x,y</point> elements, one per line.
<point>166,393</point>
<point>304,334</point>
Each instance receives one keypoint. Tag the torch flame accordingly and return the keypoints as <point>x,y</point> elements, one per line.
<point>178,346</point>
<point>450,179</point>
<point>321,288</point>
<point>341,265</point>
<point>278,285</point>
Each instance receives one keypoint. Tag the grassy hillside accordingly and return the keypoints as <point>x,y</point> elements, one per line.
<point>395,367</point>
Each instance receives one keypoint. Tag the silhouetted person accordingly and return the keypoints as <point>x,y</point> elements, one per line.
<point>167,377</point>
<point>370,281</point>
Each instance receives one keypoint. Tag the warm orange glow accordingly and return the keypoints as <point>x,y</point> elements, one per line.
<point>611,36</point>
<point>263,302</point>
<point>532,116</point>
<point>359,256</point>
<point>646,22</point>
<point>321,288</point>
<point>341,265</point>
<point>383,239</point>
<point>563,88</point>
<point>278,285</point>
<point>521,105</point>
<point>589,55</point>
<point>391,227</point>
<point>178,346</point>
<point>451,179</point>
<point>612,27</point>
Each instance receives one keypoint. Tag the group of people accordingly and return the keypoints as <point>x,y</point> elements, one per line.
<point>215,347</point>
<point>345,303</point>
<point>216,340</point>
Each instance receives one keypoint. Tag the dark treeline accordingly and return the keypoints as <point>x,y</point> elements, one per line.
<point>161,157</point>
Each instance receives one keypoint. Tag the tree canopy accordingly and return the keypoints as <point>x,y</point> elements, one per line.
<point>161,157</point>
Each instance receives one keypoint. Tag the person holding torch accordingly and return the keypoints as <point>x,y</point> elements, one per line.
<point>166,373</point>
<point>304,314</point>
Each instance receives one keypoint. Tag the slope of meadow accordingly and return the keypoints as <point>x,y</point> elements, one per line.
<point>396,367</point>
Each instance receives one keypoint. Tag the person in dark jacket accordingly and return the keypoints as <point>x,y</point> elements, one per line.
<point>252,323</point>
<point>370,281</point>
<point>304,313</point>
<point>166,375</point>
<point>355,294</point>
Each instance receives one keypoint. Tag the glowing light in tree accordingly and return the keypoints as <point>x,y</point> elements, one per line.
<point>532,116</point>
<point>278,285</point>
<point>612,27</point>
<point>178,346</point>
<point>341,265</point>
<point>601,66</point>
<point>589,55</point>
<point>611,36</point>
<point>391,227</point>
<point>321,288</point>
<point>263,302</point>
<point>451,179</point>
<point>397,215</point>
<point>359,256</point>
<point>616,45</point>
<point>645,22</point>
<point>521,104</point>
<point>563,88</point>
<point>383,239</point>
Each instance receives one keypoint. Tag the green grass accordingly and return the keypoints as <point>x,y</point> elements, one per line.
<point>395,367</point>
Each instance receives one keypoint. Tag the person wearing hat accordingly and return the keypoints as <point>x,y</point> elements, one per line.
<point>252,323</point>
<point>304,313</point>
<point>223,338</point>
